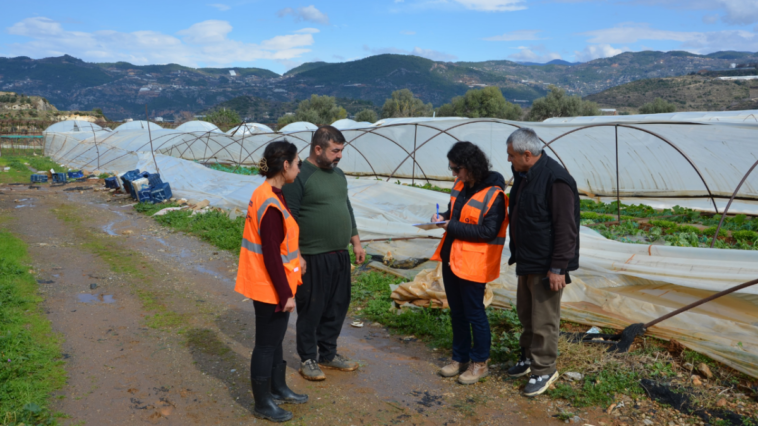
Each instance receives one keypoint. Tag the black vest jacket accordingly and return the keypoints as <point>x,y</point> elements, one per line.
<point>534,230</point>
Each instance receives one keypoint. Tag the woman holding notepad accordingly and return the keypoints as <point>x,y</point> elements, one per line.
<point>470,252</point>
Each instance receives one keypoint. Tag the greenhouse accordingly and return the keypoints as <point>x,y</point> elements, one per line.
<point>674,175</point>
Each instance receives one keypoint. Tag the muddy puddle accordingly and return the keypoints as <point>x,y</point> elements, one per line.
<point>95,298</point>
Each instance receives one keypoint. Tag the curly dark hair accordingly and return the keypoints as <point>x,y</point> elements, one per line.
<point>470,157</point>
<point>274,156</point>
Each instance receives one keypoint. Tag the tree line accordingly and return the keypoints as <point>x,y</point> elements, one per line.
<point>487,102</point>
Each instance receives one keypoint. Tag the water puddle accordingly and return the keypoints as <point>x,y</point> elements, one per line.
<point>108,229</point>
<point>95,298</point>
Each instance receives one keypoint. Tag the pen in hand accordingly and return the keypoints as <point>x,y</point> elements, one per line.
<point>438,212</point>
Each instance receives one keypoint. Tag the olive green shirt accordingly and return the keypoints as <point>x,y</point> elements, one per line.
<point>319,203</point>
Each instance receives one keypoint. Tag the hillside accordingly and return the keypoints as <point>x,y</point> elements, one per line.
<point>598,75</point>
<point>689,93</point>
<point>122,89</point>
<point>305,67</point>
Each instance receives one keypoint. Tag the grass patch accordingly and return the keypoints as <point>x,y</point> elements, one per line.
<point>20,172</point>
<point>599,389</point>
<point>30,365</point>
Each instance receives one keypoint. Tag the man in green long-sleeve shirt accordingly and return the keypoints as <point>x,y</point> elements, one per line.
<point>318,201</point>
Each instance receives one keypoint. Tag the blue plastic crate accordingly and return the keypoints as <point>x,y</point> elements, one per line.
<point>59,178</point>
<point>154,179</point>
<point>39,178</point>
<point>111,182</point>
<point>75,175</point>
<point>144,196</point>
<point>127,179</point>
<point>161,192</point>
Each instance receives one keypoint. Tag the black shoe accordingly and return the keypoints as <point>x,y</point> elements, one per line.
<point>279,389</point>
<point>523,367</point>
<point>265,408</point>
<point>539,384</point>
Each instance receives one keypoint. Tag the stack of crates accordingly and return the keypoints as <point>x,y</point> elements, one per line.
<point>39,178</point>
<point>144,186</point>
<point>127,179</point>
<point>75,175</point>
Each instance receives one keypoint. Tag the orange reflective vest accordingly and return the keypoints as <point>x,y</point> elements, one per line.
<point>253,280</point>
<point>478,262</point>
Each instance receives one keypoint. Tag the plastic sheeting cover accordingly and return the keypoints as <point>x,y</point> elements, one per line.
<point>138,125</point>
<point>198,126</point>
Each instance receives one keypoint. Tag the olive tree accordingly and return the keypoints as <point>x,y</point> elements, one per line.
<point>476,103</point>
<point>658,106</point>
<point>402,103</point>
<point>558,104</point>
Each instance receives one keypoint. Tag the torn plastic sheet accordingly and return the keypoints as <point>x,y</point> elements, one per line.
<point>619,284</point>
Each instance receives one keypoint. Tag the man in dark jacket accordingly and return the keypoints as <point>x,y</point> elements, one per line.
<point>544,224</point>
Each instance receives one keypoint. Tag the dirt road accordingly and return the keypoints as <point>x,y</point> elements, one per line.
<point>154,333</point>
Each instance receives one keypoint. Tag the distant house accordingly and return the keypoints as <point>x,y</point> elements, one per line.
<point>232,73</point>
<point>609,111</point>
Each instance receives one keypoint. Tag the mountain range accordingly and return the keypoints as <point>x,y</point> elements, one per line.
<point>122,89</point>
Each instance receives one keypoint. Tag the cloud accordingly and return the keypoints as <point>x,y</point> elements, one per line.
<point>409,33</point>
<point>518,35</point>
<point>596,51</point>
<point>219,6</point>
<point>205,42</point>
<point>710,19</point>
<point>696,42</point>
<point>434,55</point>
<point>308,31</point>
<point>493,5</point>
<point>308,14</point>
<point>632,32</point>
<point>537,53</point>
<point>736,12</point>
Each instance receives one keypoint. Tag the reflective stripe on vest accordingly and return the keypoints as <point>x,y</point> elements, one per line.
<point>258,249</point>
<point>253,279</point>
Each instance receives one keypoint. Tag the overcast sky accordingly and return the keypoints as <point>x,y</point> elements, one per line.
<point>281,34</point>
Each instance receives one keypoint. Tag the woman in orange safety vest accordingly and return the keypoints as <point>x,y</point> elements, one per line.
<point>470,252</point>
<point>269,272</point>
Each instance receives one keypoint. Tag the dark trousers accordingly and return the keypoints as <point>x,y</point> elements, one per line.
<point>466,301</point>
<point>539,310</point>
<point>322,303</point>
<point>270,328</point>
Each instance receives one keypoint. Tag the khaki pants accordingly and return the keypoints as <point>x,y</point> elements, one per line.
<point>539,310</point>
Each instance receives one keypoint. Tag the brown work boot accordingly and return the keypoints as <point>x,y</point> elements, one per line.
<point>453,369</point>
<point>476,370</point>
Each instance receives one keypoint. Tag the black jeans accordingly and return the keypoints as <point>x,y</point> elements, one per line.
<point>322,303</point>
<point>270,328</point>
<point>466,301</point>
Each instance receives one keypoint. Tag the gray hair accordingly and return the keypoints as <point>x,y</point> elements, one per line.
<point>525,139</point>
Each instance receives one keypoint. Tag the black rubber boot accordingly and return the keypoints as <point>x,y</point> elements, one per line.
<point>279,389</point>
<point>265,408</point>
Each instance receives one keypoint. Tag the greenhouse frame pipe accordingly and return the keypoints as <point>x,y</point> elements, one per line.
<point>373,132</point>
<point>454,137</point>
<point>726,209</point>
<point>308,143</point>
<point>150,135</point>
<point>618,182</point>
<point>686,157</point>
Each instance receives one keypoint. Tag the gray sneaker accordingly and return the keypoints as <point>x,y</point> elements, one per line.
<point>310,370</point>
<point>340,363</point>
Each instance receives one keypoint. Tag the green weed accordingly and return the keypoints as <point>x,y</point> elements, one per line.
<point>599,389</point>
<point>30,365</point>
